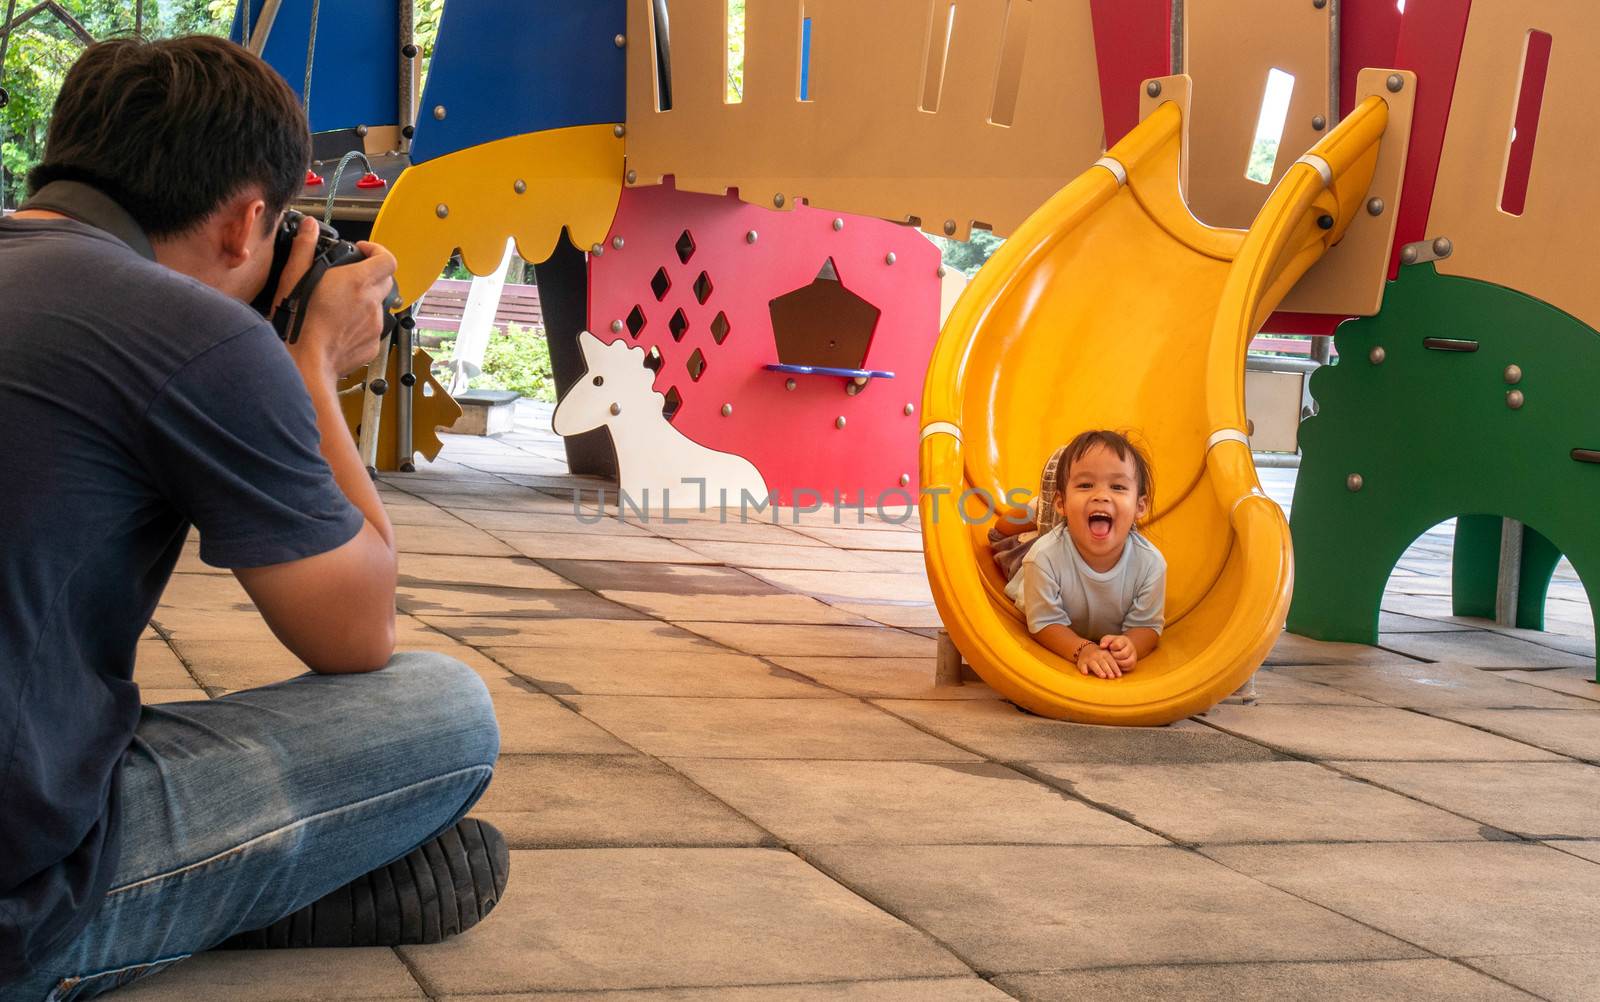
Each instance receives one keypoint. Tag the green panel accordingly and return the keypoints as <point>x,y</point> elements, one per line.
<point>1432,437</point>
<point>1476,571</point>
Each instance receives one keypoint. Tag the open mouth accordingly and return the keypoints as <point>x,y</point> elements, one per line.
<point>1100,525</point>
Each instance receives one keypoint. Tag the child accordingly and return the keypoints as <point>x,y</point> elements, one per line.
<point>1092,589</point>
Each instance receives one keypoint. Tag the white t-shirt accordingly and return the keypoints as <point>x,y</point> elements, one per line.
<point>1056,586</point>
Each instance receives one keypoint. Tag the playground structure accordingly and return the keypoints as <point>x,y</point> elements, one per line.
<point>1425,180</point>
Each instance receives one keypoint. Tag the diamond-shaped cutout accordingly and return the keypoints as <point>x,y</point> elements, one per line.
<point>720,327</point>
<point>697,365</point>
<point>702,288</point>
<point>670,406</point>
<point>636,321</point>
<point>685,246</point>
<point>654,361</point>
<point>678,325</point>
<point>660,283</point>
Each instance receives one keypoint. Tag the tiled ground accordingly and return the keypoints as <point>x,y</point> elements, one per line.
<point>727,776</point>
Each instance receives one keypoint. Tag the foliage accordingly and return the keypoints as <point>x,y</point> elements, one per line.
<point>967,256</point>
<point>735,50</point>
<point>517,360</point>
<point>1263,158</point>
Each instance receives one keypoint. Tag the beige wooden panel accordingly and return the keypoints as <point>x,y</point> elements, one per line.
<point>1179,89</point>
<point>1272,400</point>
<point>1541,251</point>
<point>1350,278</point>
<point>863,142</point>
<point>1229,47</point>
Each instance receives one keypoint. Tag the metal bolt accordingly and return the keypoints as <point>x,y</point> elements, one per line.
<point>750,237</point>
<point>1408,255</point>
<point>727,409</point>
<point>1353,482</point>
<point>438,112</point>
<point>1325,222</point>
<point>361,130</point>
<point>408,50</point>
<point>949,227</point>
<point>1442,246</point>
<point>616,409</point>
<point>838,224</point>
<point>616,326</point>
<point>633,176</point>
<point>1375,206</point>
<point>1153,88</point>
<point>1319,4</point>
<point>519,186</point>
<point>1513,374</point>
<point>778,200</point>
<point>1318,122</point>
<point>851,389</point>
<point>1396,83</point>
<point>619,41</point>
<point>380,387</point>
<point>617,242</point>
<point>1377,355</point>
<point>838,422</point>
<point>910,409</point>
<point>597,250</point>
<point>1514,399</point>
<point>905,480</point>
<point>408,131</point>
<point>889,258</point>
<point>408,379</point>
<point>619,131</point>
<point>789,384</point>
<point>441,210</point>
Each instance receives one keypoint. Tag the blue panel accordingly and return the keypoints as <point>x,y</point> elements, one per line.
<point>805,60</point>
<point>503,68</point>
<point>356,77</point>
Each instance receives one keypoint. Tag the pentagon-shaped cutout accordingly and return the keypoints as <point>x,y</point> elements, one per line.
<point>702,288</point>
<point>669,407</point>
<point>720,327</point>
<point>678,325</point>
<point>823,324</point>
<point>660,283</point>
<point>697,365</point>
<point>654,361</point>
<point>685,246</point>
<point>635,321</point>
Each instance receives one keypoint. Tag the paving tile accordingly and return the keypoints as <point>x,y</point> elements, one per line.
<point>1481,649</point>
<point>656,673</point>
<point>418,513</point>
<point>499,496</point>
<point>835,641</point>
<point>1293,649</point>
<point>894,678</point>
<point>156,666</point>
<point>733,530</point>
<point>205,593</point>
<point>239,664</point>
<point>571,801</point>
<point>572,546</point>
<point>150,697</point>
<point>1366,732</point>
<point>1453,898</point>
<point>478,600</point>
<point>924,990</point>
<point>768,555</point>
<point>682,918</point>
<point>684,579</point>
<point>1296,685</point>
<point>908,614</point>
<point>1565,732</point>
<point>532,723</point>
<point>498,572</point>
<point>367,973</point>
<point>1001,731</point>
<point>457,541</point>
<point>1257,802</point>
<point>1533,799</point>
<point>1431,686</point>
<point>864,538</point>
<point>1582,849</point>
<point>1348,981</point>
<point>762,728</point>
<point>497,522</point>
<point>905,803</point>
<point>736,608</point>
<point>1579,641</point>
<point>1031,908</point>
<point>859,583</point>
<point>582,634</point>
<point>1399,622</point>
<point>1558,977</point>
<point>899,562</point>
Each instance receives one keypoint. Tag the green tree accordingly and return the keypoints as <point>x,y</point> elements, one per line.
<point>967,256</point>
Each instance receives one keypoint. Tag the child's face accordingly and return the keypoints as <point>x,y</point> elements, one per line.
<point>1101,503</point>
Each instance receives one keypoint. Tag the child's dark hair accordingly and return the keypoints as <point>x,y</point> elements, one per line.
<point>1119,445</point>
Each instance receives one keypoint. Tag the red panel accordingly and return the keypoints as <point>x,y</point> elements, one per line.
<point>1431,36</point>
<point>1132,42</point>
<point>1514,194</point>
<point>1369,33</point>
<point>1301,323</point>
<point>790,435</point>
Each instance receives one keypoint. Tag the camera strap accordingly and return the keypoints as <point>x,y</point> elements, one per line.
<point>290,316</point>
<point>92,207</point>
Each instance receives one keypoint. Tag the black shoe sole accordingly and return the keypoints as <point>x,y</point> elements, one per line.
<point>443,887</point>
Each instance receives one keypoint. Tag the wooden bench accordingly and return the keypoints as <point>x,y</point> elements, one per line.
<point>1282,345</point>
<point>441,306</point>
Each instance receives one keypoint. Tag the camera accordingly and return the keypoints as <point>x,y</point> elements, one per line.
<point>288,315</point>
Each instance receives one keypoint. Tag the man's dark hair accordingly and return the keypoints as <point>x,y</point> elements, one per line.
<point>1120,446</point>
<point>172,129</point>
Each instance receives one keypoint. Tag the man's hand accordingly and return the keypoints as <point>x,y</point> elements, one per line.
<point>1121,650</point>
<point>345,317</point>
<point>1098,662</point>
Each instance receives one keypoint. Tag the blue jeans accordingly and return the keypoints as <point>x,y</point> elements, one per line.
<point>239,810</point>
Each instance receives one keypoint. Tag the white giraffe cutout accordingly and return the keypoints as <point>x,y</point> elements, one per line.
<point>618,392</point>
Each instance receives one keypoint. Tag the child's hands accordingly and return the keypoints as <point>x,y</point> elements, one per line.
<point>1098,662</point>
<point>1121,650</point>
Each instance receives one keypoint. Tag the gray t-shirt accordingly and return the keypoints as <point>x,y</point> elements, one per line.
<point>1056,586</point>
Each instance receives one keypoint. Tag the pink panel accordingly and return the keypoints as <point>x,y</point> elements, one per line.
<point>790,435</point>
<point>1132,42</point>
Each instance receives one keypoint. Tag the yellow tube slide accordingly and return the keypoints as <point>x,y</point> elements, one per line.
<point>1113,307</point>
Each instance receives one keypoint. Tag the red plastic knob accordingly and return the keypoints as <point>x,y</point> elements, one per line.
<point>313,179</point>
<point>371,180</point>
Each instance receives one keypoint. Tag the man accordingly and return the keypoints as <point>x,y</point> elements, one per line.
<point>142,397</point>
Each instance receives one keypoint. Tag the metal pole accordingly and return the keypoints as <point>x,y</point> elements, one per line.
<point>1321,348</point>
<point>404,448</point>
<point>1509,584</point>
<point>408,74</point>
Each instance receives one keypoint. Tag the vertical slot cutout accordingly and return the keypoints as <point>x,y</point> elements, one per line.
<point>805,56</point>
<point>1525,127</point>
<point>941,25</point>
<point>735,61</point>
<point>1263,161</point>
<point>661,38</point>
<point>1013,47</point>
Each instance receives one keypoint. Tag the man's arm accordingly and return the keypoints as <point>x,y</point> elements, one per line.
<point>335,610</point>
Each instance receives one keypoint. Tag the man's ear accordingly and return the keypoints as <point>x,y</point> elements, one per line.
<point>239,227</point>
